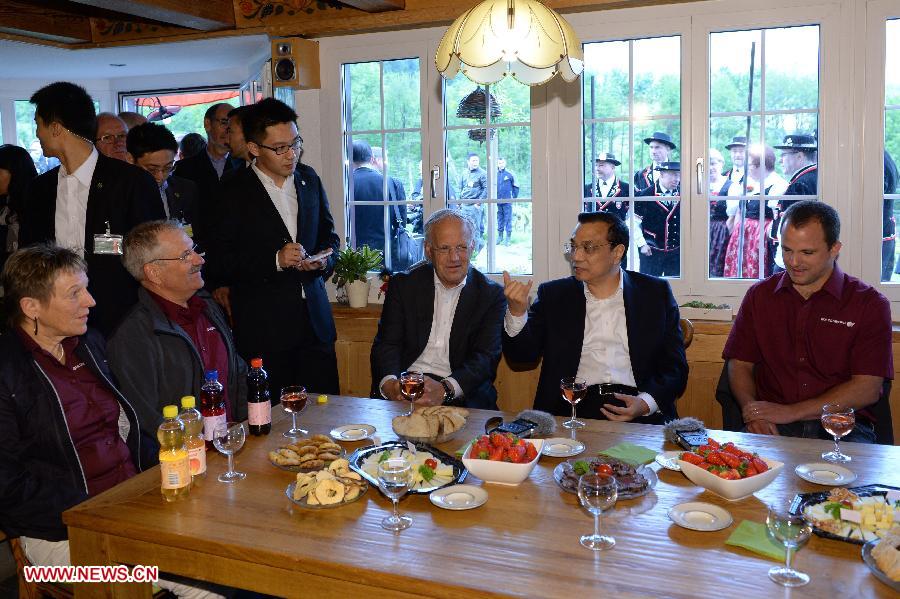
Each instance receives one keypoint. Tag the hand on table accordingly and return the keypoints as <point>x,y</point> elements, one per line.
<point>775,413</point>
<point>391,390</point>
<point>516,294</point>
<point>762,427</point>
<point>635,407</point>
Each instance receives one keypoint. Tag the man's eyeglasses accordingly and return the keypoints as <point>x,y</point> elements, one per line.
<point>110,138</point>
<point>166,169</point>
<point>223,122</point>
<point>295,145</point>
<point>184,257</point>
<point>588,247</point>
<point>445,250</point>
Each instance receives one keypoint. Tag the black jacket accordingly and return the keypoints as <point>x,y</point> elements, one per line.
<point>156,363</point>
<point>264,301</point>
<point>40,472</point>
<point>555,331</point>
<point>123,195</point>
<point>368,221</point>
<point>474,336</point>
<point>183,198</point>
<point>199,169</point>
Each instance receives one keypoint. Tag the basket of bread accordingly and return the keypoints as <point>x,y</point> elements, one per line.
<point>430,424</point>
<point>330,487</point>
<point>306,454</point>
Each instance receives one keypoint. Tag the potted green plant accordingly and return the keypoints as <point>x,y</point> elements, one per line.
<point>351,273</point>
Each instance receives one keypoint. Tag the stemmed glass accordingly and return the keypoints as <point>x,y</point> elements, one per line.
<point>573,390</point>
<point>598,493</point>
<point>394,476</point>
<point>838,421</point>
<point>293,400</point>
<point>793,532</point>
<point>412,386</point>
<point>228,438</point>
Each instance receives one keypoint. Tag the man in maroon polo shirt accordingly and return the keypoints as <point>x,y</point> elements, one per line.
<point>809,336</point>
<point>176,331</point>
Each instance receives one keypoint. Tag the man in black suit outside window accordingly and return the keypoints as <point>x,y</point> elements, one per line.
<point>275,247</point>
<point>89,202</point>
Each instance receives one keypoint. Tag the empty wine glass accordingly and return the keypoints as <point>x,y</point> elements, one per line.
<point>598,493</point>
<point>394,475</point>
<point>793,532</point>
<point>412,386</point>
<point>838,421</point>
<point>293,400</point>
<point>573,390</point>
<point>228,438</point>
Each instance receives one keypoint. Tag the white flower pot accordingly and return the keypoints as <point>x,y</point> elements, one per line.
<point>358,294</point>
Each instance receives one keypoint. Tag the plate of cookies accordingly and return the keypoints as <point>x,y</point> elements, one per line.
<point>329,487</point>
<point>304,455</point>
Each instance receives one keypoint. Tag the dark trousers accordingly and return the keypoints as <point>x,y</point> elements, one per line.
<point>504,219</point>
<point>661,264</point>
<point>863,432</point>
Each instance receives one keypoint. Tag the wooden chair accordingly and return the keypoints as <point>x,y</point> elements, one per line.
<point>687,331</point>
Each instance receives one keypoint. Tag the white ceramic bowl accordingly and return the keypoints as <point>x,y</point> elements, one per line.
<point>731,489</point>
<point>504,473</point>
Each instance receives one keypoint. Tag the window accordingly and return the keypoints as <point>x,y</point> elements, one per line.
<point>778,113</point>
<point>382,139</point>
<point>632,145</point>
<point>889,263</point>
<point>181,111</point>
<point>26,136</point>
<point>487,146</point>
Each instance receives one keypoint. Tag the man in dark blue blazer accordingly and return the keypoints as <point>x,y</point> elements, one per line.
<point>274,248</point>
<point>442,318</point>
<point>616,329</point>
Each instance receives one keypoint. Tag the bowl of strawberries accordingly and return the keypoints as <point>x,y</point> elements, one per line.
<point>502,458</point>
<point>727,470</point>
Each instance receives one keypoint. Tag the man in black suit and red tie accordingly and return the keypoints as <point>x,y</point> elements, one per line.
<point>661,222</point>
<point>661,145</point>
<point>275,249</point>
<point>89,202</point>
<point>607,191</point>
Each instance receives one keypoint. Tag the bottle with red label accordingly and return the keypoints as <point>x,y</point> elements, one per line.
<point>259,403</point>
<point>212,405</point>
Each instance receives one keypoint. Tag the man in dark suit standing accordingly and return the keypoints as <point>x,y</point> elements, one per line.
<point>153,148</point>
<point>369,186</point>
<point>206,168</point>
<point>607,191</point>
<point>89,202</point>
<point>442,318</point>
<point>618,330</point>
<point>506,189</point>
<point>661,223</point>
<point>661,145</point>
<point>275,246</point>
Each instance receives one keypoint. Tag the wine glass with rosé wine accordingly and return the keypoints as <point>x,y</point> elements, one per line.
<point>412,386</point>
<point>293,400</point>
<point>838,421</point>
<point>573,390</point>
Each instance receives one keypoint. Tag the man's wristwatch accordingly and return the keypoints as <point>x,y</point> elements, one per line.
<point>449,393</point>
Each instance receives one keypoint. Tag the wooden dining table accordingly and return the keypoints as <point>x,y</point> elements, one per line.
<point>523,541</point>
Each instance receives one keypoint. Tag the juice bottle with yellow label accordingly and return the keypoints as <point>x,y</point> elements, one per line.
<point>174,463</point>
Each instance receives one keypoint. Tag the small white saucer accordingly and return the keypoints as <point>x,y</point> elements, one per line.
<point>823,473</point>
<point>352,432</point>
<point>561,447</point>
<point>459,497</point>
<point>704,517</point>
<point>669,460</point>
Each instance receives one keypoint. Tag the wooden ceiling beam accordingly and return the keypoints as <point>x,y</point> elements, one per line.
<point>202,15</point>
<point>376,5</point>
<point>32,19</point>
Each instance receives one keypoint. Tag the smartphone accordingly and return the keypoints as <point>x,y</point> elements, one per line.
<point>520,427</point>
<point>319,256</point>
<point>691,439</point>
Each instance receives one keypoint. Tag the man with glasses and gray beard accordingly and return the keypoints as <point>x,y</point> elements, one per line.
<point>617,330</point>
<point>442,318</point>
<point>175,332</point>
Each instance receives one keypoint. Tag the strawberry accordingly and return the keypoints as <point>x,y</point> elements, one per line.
<point>730,474</point>
<point>516,454</point>
<point>496,454</point>
<point>705,449</point>
<point>759,464</point>
<point>715,458</point>
<point>732,449</point>
<point>500,440</point>
<point>713,443</point>
<point>530,452</point>
<point>732,461</point>
<point>693,458</point>
<point>751,470</point>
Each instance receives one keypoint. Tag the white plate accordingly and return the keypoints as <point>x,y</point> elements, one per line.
<point>560,447</point>
<point>822,473</point>
<point>459,497</point>
<point>669,460</point>
<point>352,432</point>
<point>704,517</point>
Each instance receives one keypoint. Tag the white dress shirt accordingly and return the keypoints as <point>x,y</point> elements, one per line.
<point>605,357</point>
<point>435,358</point>
<point>72,192</point>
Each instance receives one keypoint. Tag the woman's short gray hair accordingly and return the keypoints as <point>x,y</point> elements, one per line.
<point>32,272</point>
<point>442,215</point>
<point>141,245</point>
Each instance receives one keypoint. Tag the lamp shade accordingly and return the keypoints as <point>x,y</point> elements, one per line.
<point>522,38</point>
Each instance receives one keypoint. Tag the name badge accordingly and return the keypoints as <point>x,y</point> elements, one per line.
<point>107,243</point>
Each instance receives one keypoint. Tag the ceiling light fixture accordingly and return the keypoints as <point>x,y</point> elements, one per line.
<point>522,38</point>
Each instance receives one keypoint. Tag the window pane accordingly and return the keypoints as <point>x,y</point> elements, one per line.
<point>657,76</point>
<point>26,136</point>
<point>362,90</point>
<point>184,110</point>
<point>401,94</point>
<point>890,265</point>
<point>605,87</point>
<point>769,149</point>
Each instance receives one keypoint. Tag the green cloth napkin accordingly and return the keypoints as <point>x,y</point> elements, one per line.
<point>752,537</point>
<point>631,453</point>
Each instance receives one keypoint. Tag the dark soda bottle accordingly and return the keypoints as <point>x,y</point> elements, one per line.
<point>259,403</point>
<point>212,405</point>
